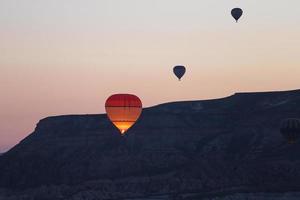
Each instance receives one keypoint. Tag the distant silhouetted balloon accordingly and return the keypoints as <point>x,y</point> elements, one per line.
<point>290,129</point>
<point>236,13</point>
<point>179,71</point>
<point>123,110</point>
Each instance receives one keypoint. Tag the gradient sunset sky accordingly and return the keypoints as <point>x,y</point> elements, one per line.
<point>62,57</point>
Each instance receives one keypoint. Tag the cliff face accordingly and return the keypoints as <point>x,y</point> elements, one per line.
<point>183,147</point>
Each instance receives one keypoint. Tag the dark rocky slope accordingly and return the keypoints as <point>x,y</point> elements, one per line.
<point>225,145</point>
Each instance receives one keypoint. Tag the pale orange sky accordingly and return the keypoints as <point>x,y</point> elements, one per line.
<point>67,56</point>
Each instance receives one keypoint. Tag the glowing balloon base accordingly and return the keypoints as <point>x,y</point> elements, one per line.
<point>123,126</point>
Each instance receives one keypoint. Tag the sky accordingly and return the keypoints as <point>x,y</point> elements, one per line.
<point>61,57</point>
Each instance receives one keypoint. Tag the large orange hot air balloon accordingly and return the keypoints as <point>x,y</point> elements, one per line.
<point>123,110</point>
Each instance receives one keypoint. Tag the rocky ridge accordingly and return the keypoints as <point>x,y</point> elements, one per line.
<point>228,145</point>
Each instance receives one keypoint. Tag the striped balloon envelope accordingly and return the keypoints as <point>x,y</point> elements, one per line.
<point>123,110</point>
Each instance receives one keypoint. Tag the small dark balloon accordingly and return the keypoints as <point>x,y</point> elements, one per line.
<point>290,129</point>
<point>236,13</point>
<point>179,71</point>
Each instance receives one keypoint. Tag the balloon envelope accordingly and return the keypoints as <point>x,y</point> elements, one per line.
<point>123,110</point>
<point>236,13</point>
<point>290,129</point>
<point>179,71</point>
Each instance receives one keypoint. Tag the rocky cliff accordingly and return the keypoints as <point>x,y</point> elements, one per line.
<point>229,145</point>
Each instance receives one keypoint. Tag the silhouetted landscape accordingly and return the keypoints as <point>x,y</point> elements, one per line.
<point>182,150</point>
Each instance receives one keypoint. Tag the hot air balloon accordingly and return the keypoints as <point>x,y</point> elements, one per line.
<point>236,13</point>
<point>123,110</point>
<point>290,129</point>
<point>179,71</point>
